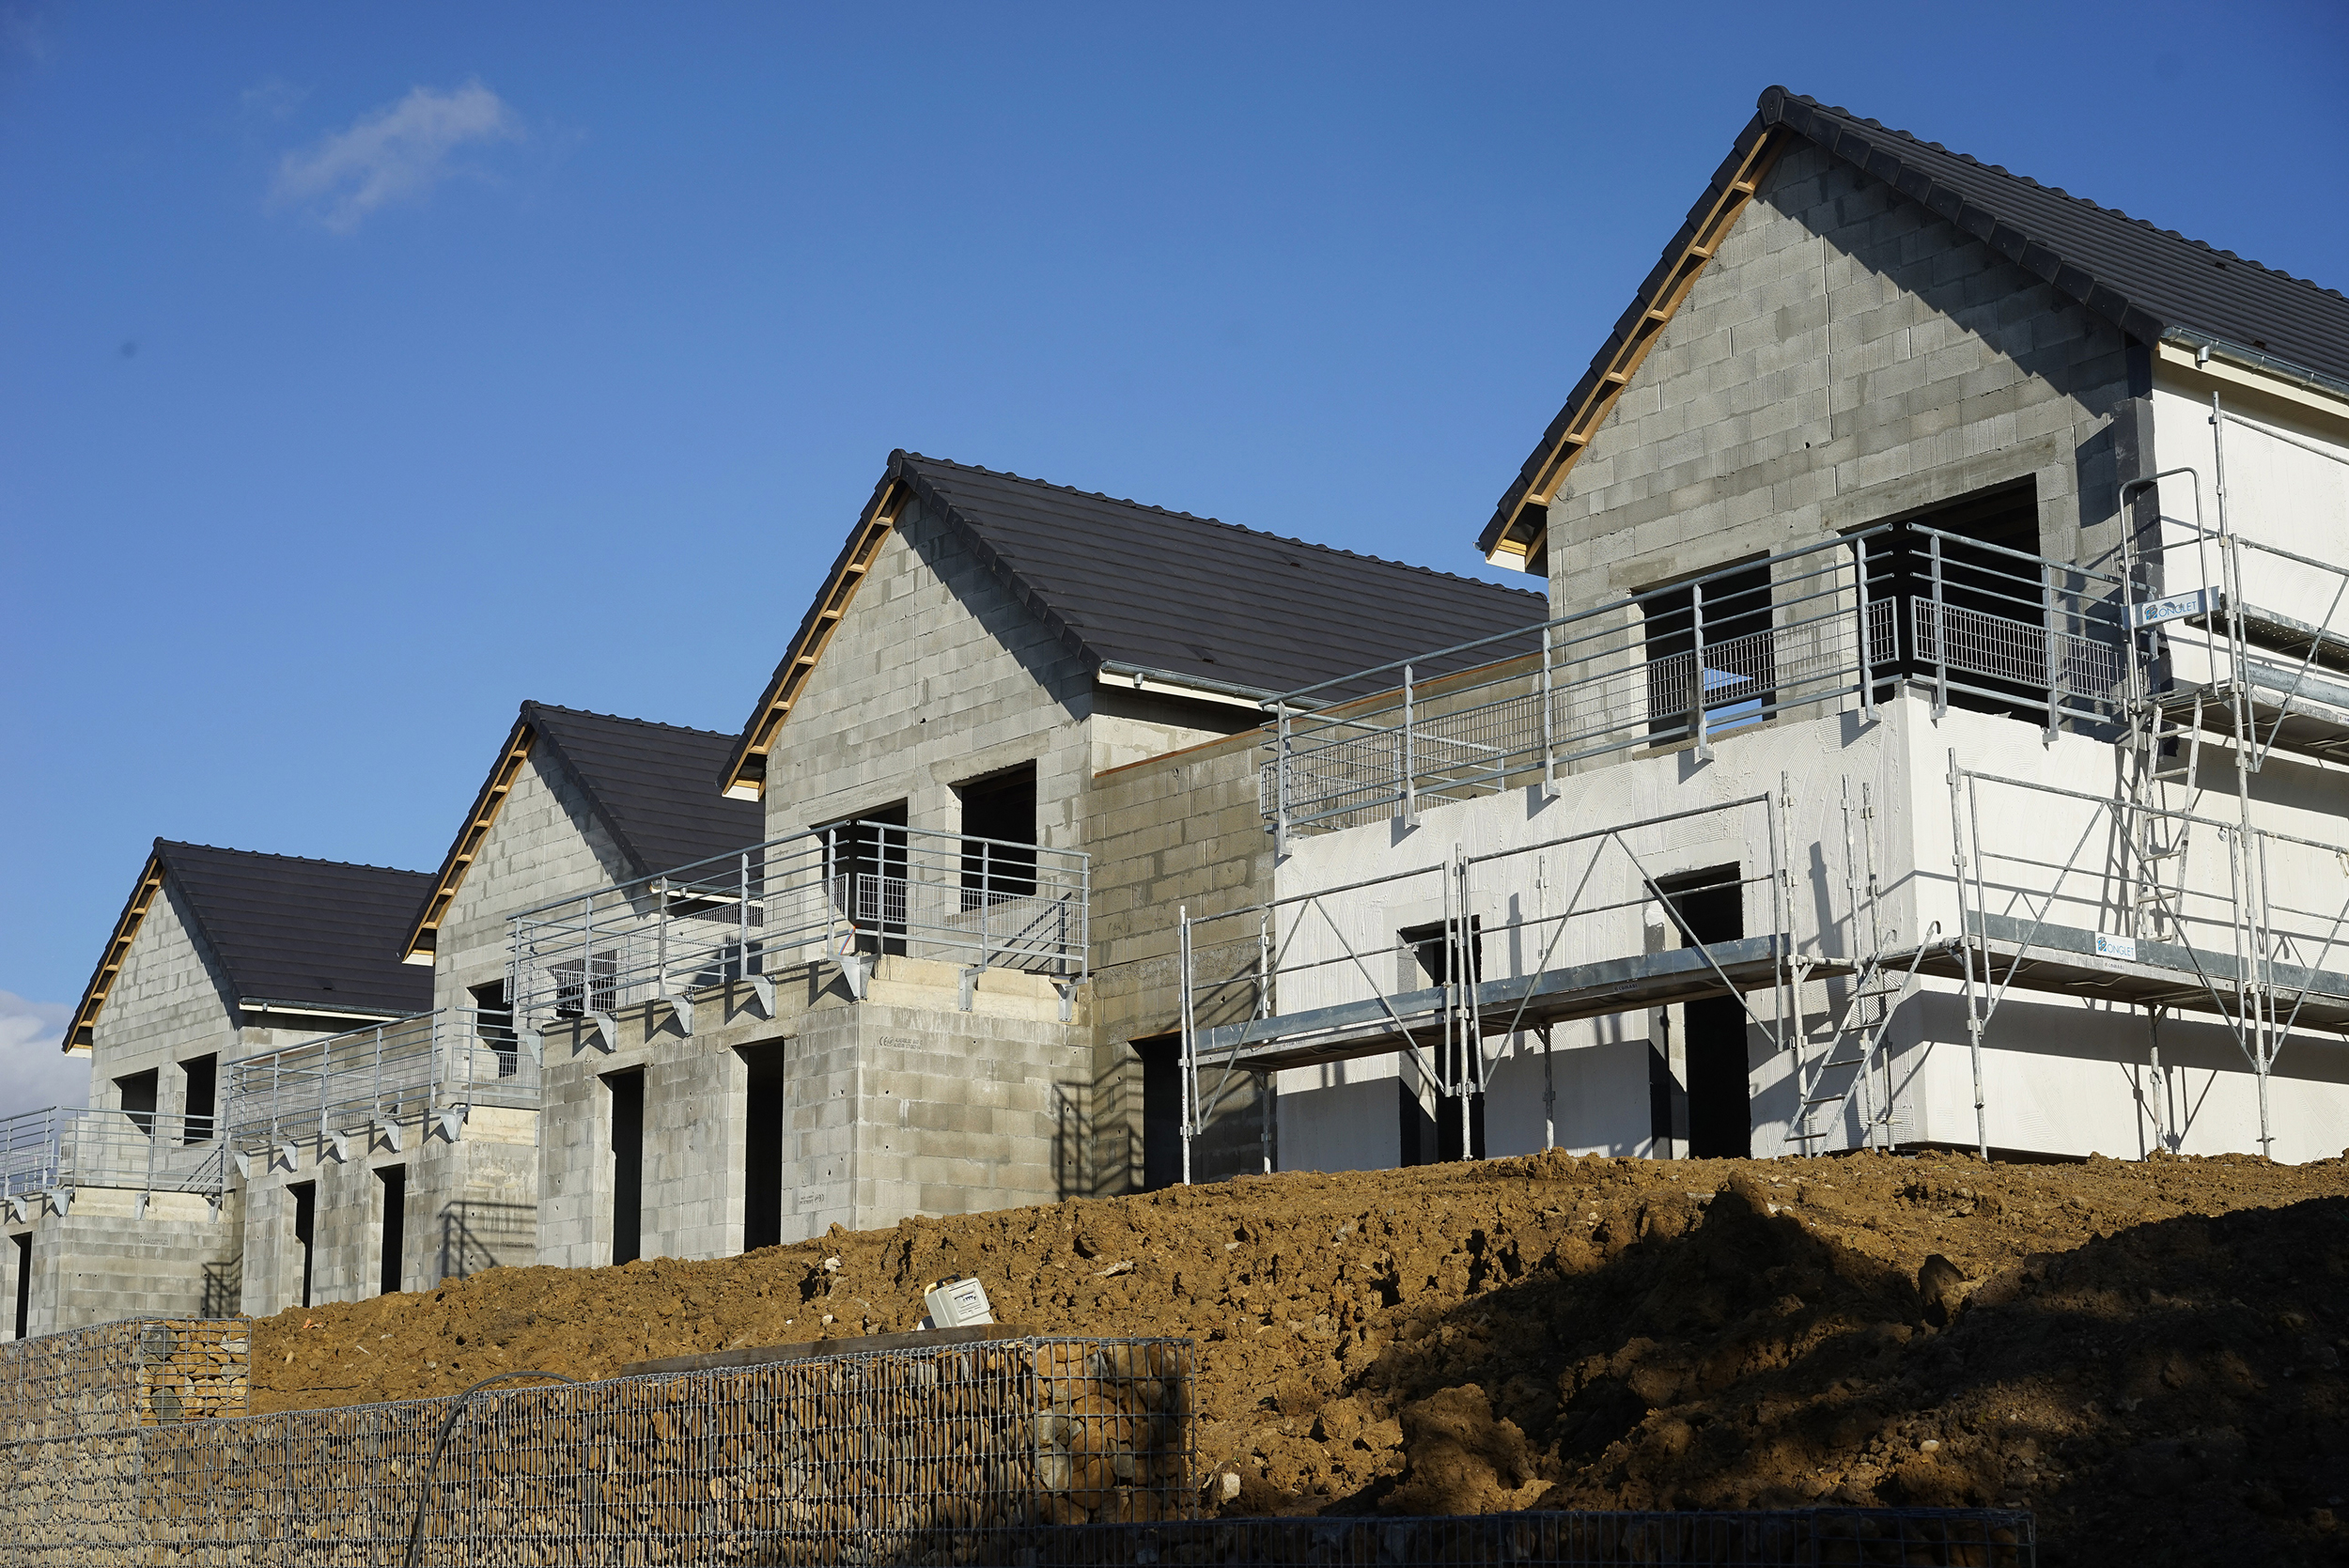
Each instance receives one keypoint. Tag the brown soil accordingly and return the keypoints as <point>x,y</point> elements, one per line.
<point>2148,1354</point>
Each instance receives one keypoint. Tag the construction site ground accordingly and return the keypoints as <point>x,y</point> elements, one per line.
<point>2147,1353</point>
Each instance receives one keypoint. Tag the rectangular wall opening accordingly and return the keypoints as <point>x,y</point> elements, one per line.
<point>1990,599</point>
<point>493,1021</point>
<point>24,1284</point>
<point>203,1076</point>
<point>867,870</point>
<point>1711,904</point>
<point>1441,1137</point>
<point>306,1225</point>
<point>135,1095</point>
<point>628,1164</point>
<point>762,1146</point>
<point>1001,808</point>
<point>1161,1110</point>
<point>1727,616</point>
<point>395,1180</point>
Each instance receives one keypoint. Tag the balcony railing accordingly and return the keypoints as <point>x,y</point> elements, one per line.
<point>55,1151</point>
<point>1969,622</point>
<point>848,895</point>
<point>382,1076</point>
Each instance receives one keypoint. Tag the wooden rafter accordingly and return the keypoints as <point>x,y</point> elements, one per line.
<point>83,1032</point>
<point>424,936</point>
<point>1521,536</point>
<point>747,778</point>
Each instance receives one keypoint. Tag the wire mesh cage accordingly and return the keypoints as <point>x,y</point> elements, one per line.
<point>116,1377</point>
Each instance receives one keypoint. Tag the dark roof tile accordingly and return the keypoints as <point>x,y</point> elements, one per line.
<point>301,932</point>
<point>1128,583</point>
<point>655,786</point>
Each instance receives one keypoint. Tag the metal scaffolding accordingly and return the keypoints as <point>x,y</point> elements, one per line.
<point>1257,983</point>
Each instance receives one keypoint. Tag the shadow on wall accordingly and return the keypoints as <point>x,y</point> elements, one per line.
<point>476,1235</point>
<point>223,1288</point>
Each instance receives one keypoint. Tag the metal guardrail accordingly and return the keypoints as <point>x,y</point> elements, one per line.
<point>430,1064</point>
<point>1963,620</point>
<point>848,895</point>
<point>51,1153</point>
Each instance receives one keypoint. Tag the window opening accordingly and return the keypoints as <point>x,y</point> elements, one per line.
<point>1001,808</point>
<point>493,1024</point>
<point>395,1180</point>
<point>584,984</point>
<point>867,858</point>
<point>203,1081</point>
<point>1993,604</point>
<point>762,1146</point>
<point>305,1222</point>
<point>136,1096</point>
<point>628,1164</point>
<point>1711,904</point>
<point>1727,614</point>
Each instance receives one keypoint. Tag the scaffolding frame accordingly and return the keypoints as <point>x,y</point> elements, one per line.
<point>1444,1029</point>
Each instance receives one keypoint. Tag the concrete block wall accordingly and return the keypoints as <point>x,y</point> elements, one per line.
<point>901,1103</point>
<point>107,1258</point>
<point>169,1003</point>
<point>545,844</point>
<point>1175,831</point>
<point>471,1204</point>
<point>935,676</point>
<point>1846,357</point>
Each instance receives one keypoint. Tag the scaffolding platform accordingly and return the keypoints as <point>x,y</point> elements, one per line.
<point>2066,959</point>
<point>1382,1025</point>
<point>2288,710</point>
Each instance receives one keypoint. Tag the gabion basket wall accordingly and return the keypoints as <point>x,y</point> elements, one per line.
<point>1023,1452</point>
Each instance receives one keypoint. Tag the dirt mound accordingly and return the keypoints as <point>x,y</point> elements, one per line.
<point>2149,1353</point>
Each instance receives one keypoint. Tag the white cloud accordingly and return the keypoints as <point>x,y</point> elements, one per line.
<point>273,99</point>
<point>391,153</point>
<point>34,1072</point>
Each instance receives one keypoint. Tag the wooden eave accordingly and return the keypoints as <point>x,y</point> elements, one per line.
<point>746,770</point>
<point>1523,524</point>
<point>83,1032</point>
<point>424,934</point>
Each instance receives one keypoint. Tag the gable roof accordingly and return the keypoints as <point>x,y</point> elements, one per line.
<point>653,786</point>
<point>2151,283</point>
<point>1139,588</point>
<point>305,936</point>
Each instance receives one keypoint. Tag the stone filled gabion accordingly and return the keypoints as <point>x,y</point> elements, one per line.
<point>921,1454</point>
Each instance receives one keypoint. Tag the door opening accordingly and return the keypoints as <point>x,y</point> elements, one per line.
<point>762,1146</point>
<point>395,1180</point>
<point>868,876</point>
<point>24,1285</point>
<point>628,1164</point>
<point>305,1224</point>
<point>203,1079</point>
<point>1711,904</point>
<point>1161,1111</point>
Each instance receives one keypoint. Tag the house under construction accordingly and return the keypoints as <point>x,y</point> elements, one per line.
<point>1931,734</point>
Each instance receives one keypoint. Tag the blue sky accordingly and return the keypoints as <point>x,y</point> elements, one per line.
<point>365,370</point>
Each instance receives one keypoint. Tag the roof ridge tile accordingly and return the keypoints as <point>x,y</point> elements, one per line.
<point>162,843</point>
<point>1218,523</point>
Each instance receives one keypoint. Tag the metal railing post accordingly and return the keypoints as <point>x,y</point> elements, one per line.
<point>1188,1049</point>
<point>1867,634</point>
<point>742,917</point>
<point>1409,756</point>
<point>1282,756</point>
<point>2052,637</point>
<point>1696,625</point>
<point>986,901</point>
<point>1550,747</point>
<point>1940,634</point>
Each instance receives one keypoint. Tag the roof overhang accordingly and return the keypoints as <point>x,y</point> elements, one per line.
<point>424,933</point>
<point>1170,683</point>
<point>745,776</point>
<point>2236,366</point>
<point>82,1033</point>
<point>1517,532</point>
